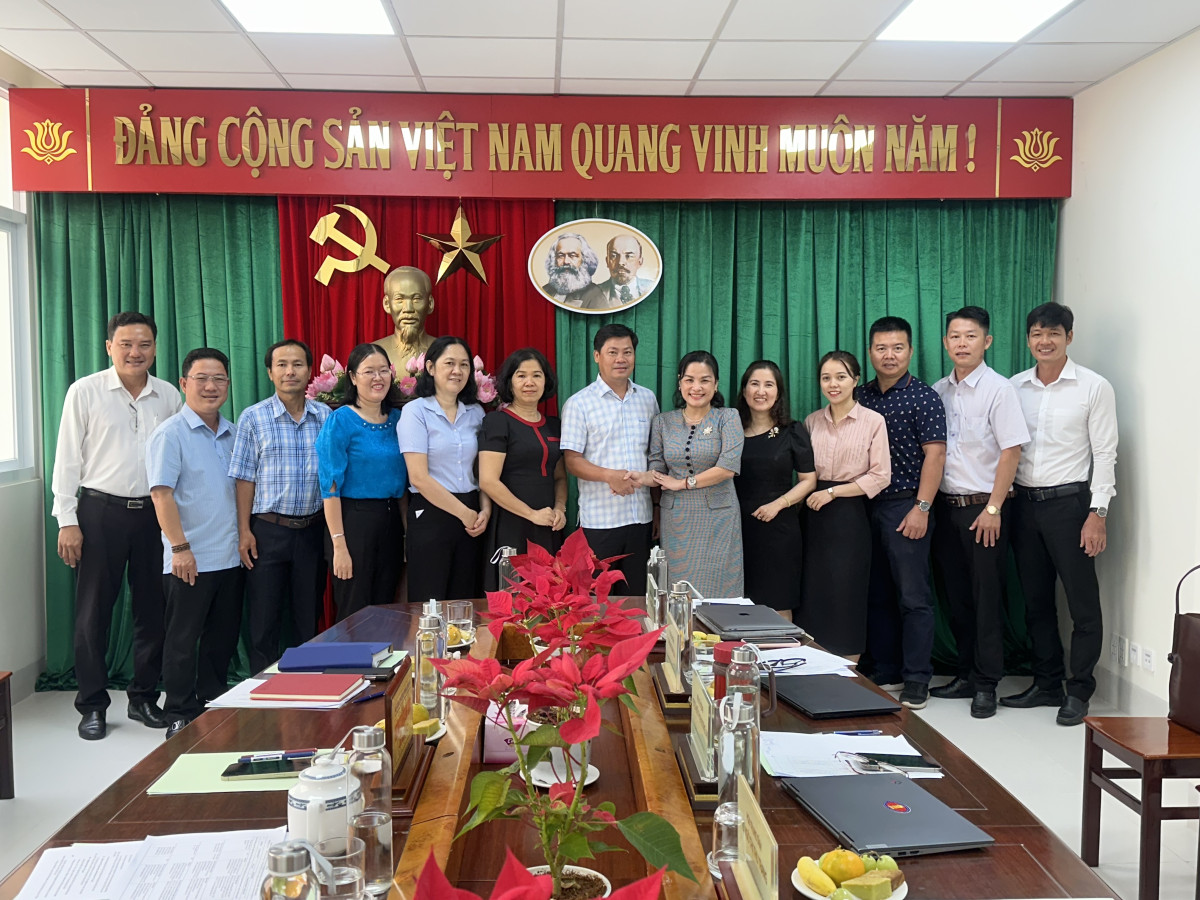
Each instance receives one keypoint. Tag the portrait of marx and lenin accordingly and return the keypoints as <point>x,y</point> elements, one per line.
<point>594,266</point>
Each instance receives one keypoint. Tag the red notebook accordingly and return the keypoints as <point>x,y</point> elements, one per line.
<point>300,686</point>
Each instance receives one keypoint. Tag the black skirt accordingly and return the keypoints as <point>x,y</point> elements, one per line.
<point>837,574</point>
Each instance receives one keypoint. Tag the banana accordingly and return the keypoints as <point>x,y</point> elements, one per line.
<point>814,879</point>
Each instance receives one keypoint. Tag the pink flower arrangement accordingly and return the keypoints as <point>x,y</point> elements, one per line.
<point>329,384</point>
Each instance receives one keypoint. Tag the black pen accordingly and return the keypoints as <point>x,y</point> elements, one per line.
<point>271,755</point>
<point>369,697</point>
<point>864,733</point>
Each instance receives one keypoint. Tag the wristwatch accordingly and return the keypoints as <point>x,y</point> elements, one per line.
<point>992,510</point>
<point>924,505</point>
<point>691,481</point>
<point>1101,511</point>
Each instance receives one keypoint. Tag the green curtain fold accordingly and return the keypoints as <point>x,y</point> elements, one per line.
<point>205,267</point>
<point>791,280</point>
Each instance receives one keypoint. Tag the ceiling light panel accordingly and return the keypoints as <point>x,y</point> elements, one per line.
<point>995,21</point>
<point>311,16</point>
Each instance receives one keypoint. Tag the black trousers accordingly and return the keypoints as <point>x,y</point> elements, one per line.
<point>900,619</point>
<point>444,562</point>
<point>974,578</point>
<point>114,538</point>
<point>289,572</point>
<point>837,573</point>
<point>632,542</point>
<point>1045,541</point>
<point>374,532</point>
<point>203,623</point>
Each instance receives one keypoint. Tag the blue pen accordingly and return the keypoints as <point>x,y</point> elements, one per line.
<point>378,694</point>
<point>865,733</point>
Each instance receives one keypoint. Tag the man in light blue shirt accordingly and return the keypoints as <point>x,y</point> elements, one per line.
<point>605,436</point>
<point>187,461</point>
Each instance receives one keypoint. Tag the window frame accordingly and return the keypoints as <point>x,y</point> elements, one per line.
<point>26,465</point>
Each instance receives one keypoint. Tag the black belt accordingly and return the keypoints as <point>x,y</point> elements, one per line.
<point>963,500</point>
<point>1037,495</point>
<point>897,495</point>
<point>291,521</point>
<point>112,500</point>
<point>372,503</point>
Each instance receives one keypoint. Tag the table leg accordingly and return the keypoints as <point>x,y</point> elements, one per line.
<point>1151,831</point>
<point>1093,760</point>
<point>7,786</point>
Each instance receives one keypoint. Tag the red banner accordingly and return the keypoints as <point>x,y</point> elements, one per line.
<point>456,145</point>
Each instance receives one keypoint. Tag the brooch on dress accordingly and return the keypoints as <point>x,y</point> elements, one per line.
<point>773,432</point>
<point>707,430</point>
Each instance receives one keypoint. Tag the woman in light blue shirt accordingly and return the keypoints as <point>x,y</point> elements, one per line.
<point>447,513</point>
<point>363,477</point>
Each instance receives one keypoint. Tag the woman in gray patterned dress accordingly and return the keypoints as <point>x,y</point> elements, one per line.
<point>695,450</point>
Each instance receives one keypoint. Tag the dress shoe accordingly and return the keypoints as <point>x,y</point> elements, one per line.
<point>176,726</point>
<point>958,689</point>
<point>148,713</point>
<point>983,705</point>
<point>1034,696</point>
<point>1072,711</point>
<point>92,727</point>
<point>915,695</point>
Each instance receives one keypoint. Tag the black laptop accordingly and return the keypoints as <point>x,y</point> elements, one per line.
<point>885,813</point>
<point>743,622</point>
<point>832,696</point>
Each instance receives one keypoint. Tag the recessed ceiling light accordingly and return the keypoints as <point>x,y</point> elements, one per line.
<point>995,21</point>
<point>311,16</point>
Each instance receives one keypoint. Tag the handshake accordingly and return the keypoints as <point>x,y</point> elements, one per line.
<point>626,482</point>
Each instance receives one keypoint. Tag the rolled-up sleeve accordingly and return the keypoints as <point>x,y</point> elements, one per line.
<point>879,459</point>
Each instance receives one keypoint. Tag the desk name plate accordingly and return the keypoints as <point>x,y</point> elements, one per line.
<point>672,646</point>
<point>700,738</point>
<point>757,866</point>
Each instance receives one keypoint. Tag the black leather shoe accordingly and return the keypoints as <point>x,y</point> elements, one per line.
<point>175,727</point>
<point>92,727</point>
<point>958,689</point>
<point>1034,696</point>
<point>983,705</point>
<point>148,713</point>
<point>1072,711</point>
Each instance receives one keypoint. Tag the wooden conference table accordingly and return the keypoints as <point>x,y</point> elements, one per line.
<point>638,771</point>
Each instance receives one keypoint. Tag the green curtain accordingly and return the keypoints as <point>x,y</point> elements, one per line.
<point>205,267</point>
<point>789,281</point>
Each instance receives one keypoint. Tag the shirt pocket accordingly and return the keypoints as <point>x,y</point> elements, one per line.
<point>975,429</point>
<point>1068,422</point>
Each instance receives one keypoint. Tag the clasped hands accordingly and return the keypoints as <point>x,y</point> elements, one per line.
<point>625,483</point>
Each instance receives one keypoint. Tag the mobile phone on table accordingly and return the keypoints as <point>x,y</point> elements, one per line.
<point>901,760</point>
<point>266,768</point>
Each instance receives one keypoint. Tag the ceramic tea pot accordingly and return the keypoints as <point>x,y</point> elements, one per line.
<point>321,803</point>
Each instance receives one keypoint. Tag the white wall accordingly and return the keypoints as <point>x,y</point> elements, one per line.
<point>1129,266</point>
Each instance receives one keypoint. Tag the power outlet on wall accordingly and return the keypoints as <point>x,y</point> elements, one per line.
<point>1123,650</point>
<point>1135,654</point>
<point>1147,659</point>
<point>1114,649</point>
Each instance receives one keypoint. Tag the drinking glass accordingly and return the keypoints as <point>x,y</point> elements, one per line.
<point>345,855</point>
<point>461,614</point>
<point>374,829</point>
<point>725,841</point>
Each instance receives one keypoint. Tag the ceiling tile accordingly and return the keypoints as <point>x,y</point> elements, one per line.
<point>176,51</point>
<point>483,57</point>
<point>309,82</point>
<point>790,60</point>
<point>485,85</point>
<point>1120,20</point>
<point>1064,62</point>
<point>56,50</point>
<point>340,54</point>
<point>95,78</point>
<point>612,59</point>
<point>733,88</point>
<point>479,18</point>
<point>139,15</point>
<point>845,88</point>
<point>808,20</point>
<point>624,86</point>
<point>659,20</point>
<point>921,60</point>
<point>1021,89</point>
<point>266,80</point>
<point>23,14</point>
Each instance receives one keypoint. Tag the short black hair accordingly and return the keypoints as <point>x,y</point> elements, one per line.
<point>976,314</point>
<point>425,386</point>
<point>1050,315</point>
<point>704,358</point>
<point>200,353</point>
<point>889,323</point>
<point>780,415</point>
<point>131,318</point>
<point>269,359</point>
<point>846,358</point>
<point>610,331</point>
<point>509,367</point>
<point>392,400</point>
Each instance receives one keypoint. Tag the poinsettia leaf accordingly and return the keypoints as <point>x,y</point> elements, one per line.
<point>647,888</point>
<point>629,685</point>
<point>574,846</point>
<point>534,755</point>
<point>657,840</point>
<point>542,736</point>
<point>432,884</point>
<point>487,788</point>
<point>576,731</point>
<point>517,883</point>
<point>628,701</point>
<point>601,847</point>
<point>610,726</point>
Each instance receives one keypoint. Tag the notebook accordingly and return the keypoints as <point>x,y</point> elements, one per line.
<point>832,697</point>
<point>734,622</point>
<point>316,688</point>
<point>885,813</point>
<point>334,655</point>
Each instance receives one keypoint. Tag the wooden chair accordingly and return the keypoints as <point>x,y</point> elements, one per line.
<point>7,784</point>
<point>1151,749</point>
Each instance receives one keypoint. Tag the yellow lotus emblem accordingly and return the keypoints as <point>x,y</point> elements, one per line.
<point>48,145</point>
<point>1036,151</point>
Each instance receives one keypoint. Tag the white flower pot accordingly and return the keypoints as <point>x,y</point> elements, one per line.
<point>574,870</point>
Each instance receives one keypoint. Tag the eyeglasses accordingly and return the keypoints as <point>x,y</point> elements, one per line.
<point>133,417</point>
<point>784,665</point>
<point>373,373</point>
<point>864,765</point>
<point>216,380</point>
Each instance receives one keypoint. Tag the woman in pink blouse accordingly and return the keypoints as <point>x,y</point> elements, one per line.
<point>850,449</point>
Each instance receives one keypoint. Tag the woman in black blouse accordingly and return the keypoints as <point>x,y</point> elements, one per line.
<point>520,463</point>
<point>775,449</point>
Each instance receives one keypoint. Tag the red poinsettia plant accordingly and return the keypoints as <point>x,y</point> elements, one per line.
<point>591,648</point>
<point>516,883</point>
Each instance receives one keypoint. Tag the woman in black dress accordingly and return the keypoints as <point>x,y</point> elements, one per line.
<point>520,463</point>
<point>775,448</point>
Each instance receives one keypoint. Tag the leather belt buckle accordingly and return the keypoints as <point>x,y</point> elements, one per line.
<point>135,504</point>
<point>293,522</point>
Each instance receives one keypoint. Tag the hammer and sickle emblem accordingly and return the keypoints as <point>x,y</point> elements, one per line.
<point>364,254</point>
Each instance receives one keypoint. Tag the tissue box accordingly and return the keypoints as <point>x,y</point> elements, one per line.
<point>497,741</point>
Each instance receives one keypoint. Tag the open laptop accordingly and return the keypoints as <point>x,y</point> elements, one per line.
<point>738,622</point>
<point>885,813</point>
<point>832,696</point>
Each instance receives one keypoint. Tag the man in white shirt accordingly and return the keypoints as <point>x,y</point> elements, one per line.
<point>106,520</point>
<point>1065,481</point>
<point>985,430</point>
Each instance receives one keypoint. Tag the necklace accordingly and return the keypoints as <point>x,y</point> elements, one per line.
<point>697,422</point>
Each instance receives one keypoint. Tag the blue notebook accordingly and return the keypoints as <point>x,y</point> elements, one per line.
<point>334,655</point>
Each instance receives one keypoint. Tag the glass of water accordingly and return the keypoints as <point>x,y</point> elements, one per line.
<point>374,829</point>
<point>725,837</point>
<point>461,614</point>
<point>345,855</point>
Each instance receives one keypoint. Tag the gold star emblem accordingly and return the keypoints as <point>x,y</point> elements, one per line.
<point>459,250</point>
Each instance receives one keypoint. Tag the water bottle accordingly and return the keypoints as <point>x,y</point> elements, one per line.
<point>656,578</point>
<point>371,764</point>
<point>290,875</point>
<point>506,572</point>
<point>744,677</point>
<point>428,679</point>
<point>737,754</point>
<point>679,609</point>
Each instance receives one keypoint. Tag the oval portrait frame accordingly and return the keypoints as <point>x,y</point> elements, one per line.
<point>597,296</point>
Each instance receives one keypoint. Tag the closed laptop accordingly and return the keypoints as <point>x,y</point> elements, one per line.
<point>832,697</point>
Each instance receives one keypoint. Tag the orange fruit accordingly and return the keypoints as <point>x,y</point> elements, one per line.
<point>841,865</point>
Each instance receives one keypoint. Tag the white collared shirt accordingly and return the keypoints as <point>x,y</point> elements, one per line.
<point>102,438</point>
<point>983,418</point>
<point>1073,421</point>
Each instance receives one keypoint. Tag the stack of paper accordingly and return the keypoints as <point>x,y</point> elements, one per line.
<point>790,754</point>
<point>815,662</point>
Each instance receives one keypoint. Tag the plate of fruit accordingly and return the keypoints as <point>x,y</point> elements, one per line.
<point>456,639</point>
<point>844,875</point>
